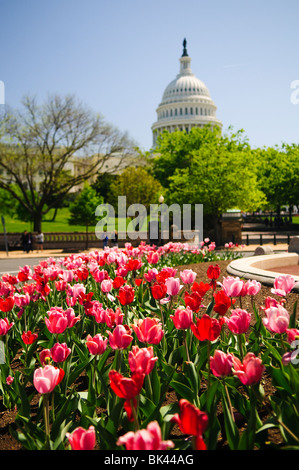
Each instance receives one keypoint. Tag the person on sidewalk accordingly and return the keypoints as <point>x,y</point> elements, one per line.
<point>39,241</point>
<point>25,241</point>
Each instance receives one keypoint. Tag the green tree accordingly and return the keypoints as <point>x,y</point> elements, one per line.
<point>279,176</point>
<point>138,185</point>
<point>82,210</point>
<point>217,171</point>
<point>48,149</point>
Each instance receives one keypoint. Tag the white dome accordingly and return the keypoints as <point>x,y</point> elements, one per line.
<point>186,102</point>
<point>185,86</point>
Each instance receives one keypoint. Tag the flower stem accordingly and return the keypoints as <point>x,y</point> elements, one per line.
<point>46,417</point>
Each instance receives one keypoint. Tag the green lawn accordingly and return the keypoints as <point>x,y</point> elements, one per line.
<point>60,224</point>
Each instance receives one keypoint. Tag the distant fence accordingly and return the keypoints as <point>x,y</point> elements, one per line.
<point>266,238</point>
<point>73,241</point>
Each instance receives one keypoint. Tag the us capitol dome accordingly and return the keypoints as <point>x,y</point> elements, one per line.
<point>186,102</point>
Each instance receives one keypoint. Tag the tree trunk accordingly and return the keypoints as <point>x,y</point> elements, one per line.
<point>37,222</point>
<point>54,215</point>
<point>217,229</point>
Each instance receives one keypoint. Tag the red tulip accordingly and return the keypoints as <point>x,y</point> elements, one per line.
<point>159,290</point>
<point>6,305</point>
<point>126,387</point>
<point>118,281</point>
<point>126,294</point>
<point>222,302</point>
<point>213,272</point>
<point>28,337</point>
<point>201,288</point>
<point>207,328</point>
<point>193,301</point>
<point>192,421</point>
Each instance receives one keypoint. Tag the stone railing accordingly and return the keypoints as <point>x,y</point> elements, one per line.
<point>75,241</point>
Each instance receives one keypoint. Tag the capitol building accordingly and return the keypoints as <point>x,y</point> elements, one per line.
<point>186,102</point>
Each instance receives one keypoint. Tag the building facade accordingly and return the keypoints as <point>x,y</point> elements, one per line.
<point>186,102</point>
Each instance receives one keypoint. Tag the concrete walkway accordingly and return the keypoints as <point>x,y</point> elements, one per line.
<point>61,253</point>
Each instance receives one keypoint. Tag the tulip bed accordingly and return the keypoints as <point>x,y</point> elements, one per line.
<point>120,350</point>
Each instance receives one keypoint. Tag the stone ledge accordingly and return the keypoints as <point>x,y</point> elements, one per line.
<point>260,269</point>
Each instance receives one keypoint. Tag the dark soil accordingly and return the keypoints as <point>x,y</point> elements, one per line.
<point>7,417</point>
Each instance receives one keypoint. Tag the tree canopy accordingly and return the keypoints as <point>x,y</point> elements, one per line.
<point>48,149</point>
<point>205,167</point>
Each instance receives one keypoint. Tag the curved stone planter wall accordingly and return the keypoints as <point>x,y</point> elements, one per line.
<point>259,267</point>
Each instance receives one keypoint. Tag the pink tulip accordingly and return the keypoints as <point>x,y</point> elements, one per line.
<point>250,371</point>
<point>22,300</point>
<point>9,380</point>
<point>71,317</point>
<point>292,334</point>
<point>60,352</point>
<point>188,276</point>
<point>221,364</point>
<point>5,326</point>
<point>252,287</point>
<point>112,318</point>
<point>173,286</point>
<point>61,285</point>
<point>283,285</point>
<point>96,345</point>
<point>57,321</point>
<point>239,321</point>
<point>182,318</point>
<point>45,379</point>
<point>150,275</point>
<point>67,276</point>
<point>145,439</point>
<point>121,337</point>
<point>277,319</point>
<point>270,302</point>
<point>142,360</point>
<point>153,257</point>
<point>44,355</point>
<point>232,286</point>
<point>148,330</point>
<point>82,439</point>
<point>106,285</point>
<point>288,357</point>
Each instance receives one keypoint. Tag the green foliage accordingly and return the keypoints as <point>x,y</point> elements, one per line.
<point>279,174</point>
<point>138,185</point>
<point>206,168</point>
<point>82,210</point>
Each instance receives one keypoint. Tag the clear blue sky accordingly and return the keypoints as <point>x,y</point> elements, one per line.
<point>118,56</point>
